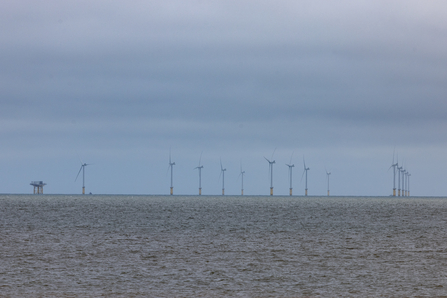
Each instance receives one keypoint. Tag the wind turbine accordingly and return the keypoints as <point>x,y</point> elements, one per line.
<point>394,165</point>
<point>406,182</point>
<point>403,180</point>
<point>222,172</point>
<point>83,165</point>
<point>399,169</point>
<point>328,173</point>
<point>305,171</point>
<point>409,175</point>
<point>171,166</point>
<point>290,165</point>
<point>242,186</point>
<point>200,174</point>
<point>271,172</point>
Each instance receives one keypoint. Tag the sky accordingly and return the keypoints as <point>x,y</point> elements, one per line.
<point>346,86</point>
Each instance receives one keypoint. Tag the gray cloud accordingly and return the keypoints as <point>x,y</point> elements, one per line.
<point>122,82</point>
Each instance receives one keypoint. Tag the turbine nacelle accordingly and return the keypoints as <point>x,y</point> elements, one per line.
<point>304,163</point>
<point>221,167</point>
<point>270,162</point>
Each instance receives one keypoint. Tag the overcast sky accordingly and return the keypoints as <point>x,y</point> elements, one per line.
<point>119,84</point>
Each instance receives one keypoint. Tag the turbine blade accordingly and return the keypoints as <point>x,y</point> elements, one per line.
<point>273,153</point>
<point>167,171</point>
<point>393,154</point>
<point>200,159</point>
<point>78,173</point>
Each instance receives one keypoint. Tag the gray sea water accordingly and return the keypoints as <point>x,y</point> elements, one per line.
<point>232,246</point>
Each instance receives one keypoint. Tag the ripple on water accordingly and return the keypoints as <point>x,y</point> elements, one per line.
<point>222,246</point>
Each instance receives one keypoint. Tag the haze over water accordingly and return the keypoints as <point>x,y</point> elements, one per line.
<point>222,246</point>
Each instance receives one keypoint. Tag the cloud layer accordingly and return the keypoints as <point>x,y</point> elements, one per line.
<point>343,83</point>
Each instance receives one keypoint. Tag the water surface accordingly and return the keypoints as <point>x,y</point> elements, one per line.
<point>232,246</point>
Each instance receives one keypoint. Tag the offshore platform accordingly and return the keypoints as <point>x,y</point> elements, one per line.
<point>38,186</point>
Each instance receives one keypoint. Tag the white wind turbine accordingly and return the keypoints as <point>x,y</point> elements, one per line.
<point>171,166</point>
<point>242,185</point>
<point>305,172</point>
<point>290,165</point>
<point>394,165</point>
<point>271,172</point>
<point>406,182</point>
<point>199,167</point>
<point>404,190</point>
<point>83,165</point>
<point>399,169</point>
<point>222,172</point>
<point>402,176</point>
<point>409,175</point>
<point>328,174</point>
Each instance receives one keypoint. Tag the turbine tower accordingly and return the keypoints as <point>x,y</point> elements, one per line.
<point>399,169</point>
<point>409,175</point>
<point>406,183</point>
<point>242,186</point>
<point>403,180</point>
<point>222,172</point>
<point>171,166</point>
<point>271,174</point>
<point>394,165</point>
<point>305,171</point>
<point>199,167</point>
<point>83,165</point>
<point>328,173</point>
<point>290,165</point>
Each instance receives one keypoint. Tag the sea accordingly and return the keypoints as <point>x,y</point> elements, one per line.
<point>222,246</point>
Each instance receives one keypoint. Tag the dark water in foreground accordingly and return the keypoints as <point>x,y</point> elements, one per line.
<point>159,246</point>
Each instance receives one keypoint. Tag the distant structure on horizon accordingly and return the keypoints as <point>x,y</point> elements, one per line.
<point>270,174</point>
<point>83,165</point>
<point>242,185</point>
<point>305,172</point>
<point>403,176</point>
<point>222,172</point>
<point>38,185</point>
<point>171,167</point>
<point>200,167</point>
